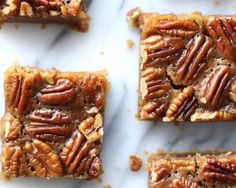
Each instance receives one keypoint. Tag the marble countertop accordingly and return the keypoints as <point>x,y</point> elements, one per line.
<point>105,47</point>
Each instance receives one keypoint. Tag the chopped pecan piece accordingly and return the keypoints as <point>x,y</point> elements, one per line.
<point>133,16</point>
<point>212,116</point>
<point>11,8</point>
<point>194,59</point>
<point>223,32</point>
<point>178,28</point>
<point>12,127</point>
<point>160,173</point>
<point>183,106</point>
<point>92,128</point>
<point>184,183</point>
<point>157,50</point>
<point>217,81</point>
<point>135,163</point>
<point>91,85</point>
<point>155,89</point>
<point>43,159</point>
<point>219,171</point>
<point>49,125</point>
<point>75,152</point>
<point>184,164</point>
<point>61,93</point>
<point>14,162</point>
<point>26,9</point>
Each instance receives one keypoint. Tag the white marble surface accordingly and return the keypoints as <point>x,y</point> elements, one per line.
<point>104,47</point>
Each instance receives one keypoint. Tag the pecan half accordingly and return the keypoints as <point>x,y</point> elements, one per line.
<point>14,162</point>
<point>223,32</point>
<point>21,92</point>
<point>160,173</point>
<point>61,93</point>
<point>184,183</point>
<point>223,172</point>
<point>43,159</point>
<point>154,88</point>
<point>76,151</point>
<point>183,106</point>
<point>156,50</point>
<point>49,125</point>
<point>12,127</point>
<point>178,28</point>
<point>217,81</point>
<point>92,128</point>
<point>194,59</point>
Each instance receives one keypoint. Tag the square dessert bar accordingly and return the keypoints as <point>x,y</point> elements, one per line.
<point>71,12</point>
<point>193,170</point>
<point>188,66</point>
<point>53,123</point>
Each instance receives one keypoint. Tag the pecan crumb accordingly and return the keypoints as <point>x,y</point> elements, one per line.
<point>135,163</point>
<point>130,43</point>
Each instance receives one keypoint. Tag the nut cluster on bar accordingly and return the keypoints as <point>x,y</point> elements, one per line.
<point>187,69</point>
<point>71,12</point>
<point>53,124</point>
<point>193,170</point>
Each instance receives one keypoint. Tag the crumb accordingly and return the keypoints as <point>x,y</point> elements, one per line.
<point>107,186</point>
<point>217,2</point>
<point>102,53</point>
<point>16,26</point>
<point>234,7</point>
<point>130,43</point>
<point>129,110</point>
<point>135,162</point>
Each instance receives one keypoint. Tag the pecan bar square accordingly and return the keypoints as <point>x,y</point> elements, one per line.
<point>187,69</point>
<point>53,124</point>
<point>192,170</point>
<point>71,12</point>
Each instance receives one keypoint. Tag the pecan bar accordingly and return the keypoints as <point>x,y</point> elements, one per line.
<point>187,69</point>
<point>71,12</point>
<point>192,170</point>
<point>53,124</point>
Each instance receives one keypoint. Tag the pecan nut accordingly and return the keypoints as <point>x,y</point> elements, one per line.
<point>49,125</point>
<point>155,88</point>
<point>75,152</point>
<point>43,159</point>
<point>223,32</point>
<point>194,59</point>
<point>133,16</point>
<point>61,93</point>
<point>212,116</point>
<point>185,183</point>
<point>217,81</point>
<point>156,50</point>
<point>223,172</point>
<point>232,92</point>
<point>92,87</point>
<point>91,128</point>
<point>14,162</point>
<point>161,173</point>
<point>183,106</point>
<point>135,163</point>
<point>26,9</point>
<point>178,28</point>
<point>12,127</point>
<point>11,8</point>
